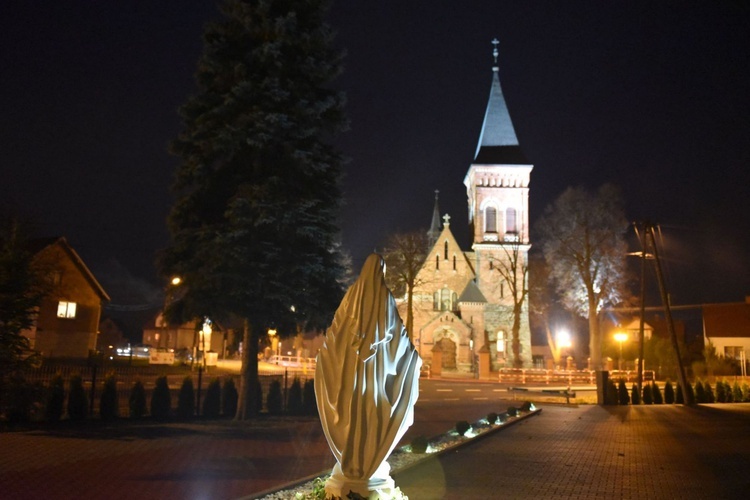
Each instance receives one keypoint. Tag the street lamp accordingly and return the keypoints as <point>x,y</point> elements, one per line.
<point>563,342</point>
<point>621,337</point>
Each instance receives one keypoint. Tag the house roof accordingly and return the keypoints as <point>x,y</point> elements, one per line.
<point>726,320</point>
<point>472,294</point>
<point>40,244</point>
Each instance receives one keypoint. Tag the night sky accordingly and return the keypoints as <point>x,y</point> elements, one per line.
<point>651,96</point>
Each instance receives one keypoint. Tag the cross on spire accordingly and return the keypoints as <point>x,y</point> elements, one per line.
<point>494,49</point>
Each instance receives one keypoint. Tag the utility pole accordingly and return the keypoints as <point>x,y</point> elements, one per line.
<point>687,395</point>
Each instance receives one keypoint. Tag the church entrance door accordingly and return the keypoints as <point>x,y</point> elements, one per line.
<point>449,353</point>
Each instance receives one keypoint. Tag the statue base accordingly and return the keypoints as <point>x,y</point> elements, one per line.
<point>378,487</point>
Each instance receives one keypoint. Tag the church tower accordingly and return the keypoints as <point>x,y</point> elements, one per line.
<point>497,187</point>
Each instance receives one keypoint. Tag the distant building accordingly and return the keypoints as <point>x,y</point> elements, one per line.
<point>461,301</point>
<point>68,318</point>
<point>727,327</point>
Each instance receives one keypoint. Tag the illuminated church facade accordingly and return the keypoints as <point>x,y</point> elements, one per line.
<point>464,300</point>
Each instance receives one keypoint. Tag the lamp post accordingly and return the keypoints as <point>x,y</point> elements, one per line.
<point>620,337</point>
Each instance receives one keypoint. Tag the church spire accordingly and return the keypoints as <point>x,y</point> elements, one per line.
<point>498,143</point>
<point>434,232</point>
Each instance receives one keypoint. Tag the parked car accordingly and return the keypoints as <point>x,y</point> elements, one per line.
<point>136,351</point>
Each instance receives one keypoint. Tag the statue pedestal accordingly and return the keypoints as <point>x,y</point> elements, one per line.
<point>339,486</point>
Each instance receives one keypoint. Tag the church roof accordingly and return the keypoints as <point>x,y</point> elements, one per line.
<point>472,293</point>
<point>498,143</point>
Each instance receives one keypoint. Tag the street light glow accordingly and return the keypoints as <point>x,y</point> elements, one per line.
<point>563,339</point>
<point>176,281</point>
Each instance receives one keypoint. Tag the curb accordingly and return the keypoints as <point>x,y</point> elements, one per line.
<point>427,456</point>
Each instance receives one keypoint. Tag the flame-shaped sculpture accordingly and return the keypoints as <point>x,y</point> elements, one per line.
<point>366,385</point>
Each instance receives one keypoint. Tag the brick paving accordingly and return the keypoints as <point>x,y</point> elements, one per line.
<point>589,452</point>
<point>650,452</point>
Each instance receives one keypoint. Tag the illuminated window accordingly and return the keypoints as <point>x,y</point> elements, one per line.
<point>490,220</point>
<point>66,309</point>
<point>510,221</point>
<point>500,342</point>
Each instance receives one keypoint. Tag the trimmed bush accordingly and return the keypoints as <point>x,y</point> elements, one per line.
<point>294,398</point>
<point>212,403</point>
<point>679,397</point>
<point>668,393</point>
<point>229,398</point>
<point>161,399</point>
<point>462,426</point>
<point>55,401</point>
<point>623,397</point>
<point>186,399</point>
<point>274,400</point>
<point>721,393</point>
<point>656,394</point>
<point>737,392</point>
<point>419,444</point>
<point>700,393</point>
<point>689,392</point>
<point>648,395</point>
<point>635,395</point>
<point>22,397</point>
<point>309,403</point>
<point>710,397</point>
<point>108,407</point>
<point>492,418</point>
<point>745,393</point>
<point>137,400</point>
<point>610,393</point>
<point>512,411</point>
<point>78,401</point>
<point>729,392</point>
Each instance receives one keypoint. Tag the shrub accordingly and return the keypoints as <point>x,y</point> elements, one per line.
<point>309,403</point>
<point>212,403</point>
<point>137,400</point>
<point>745,393</point>
<point>161,399</point>
<point>492,418</point>
<point>656,393</point>
<point>623,397</point>
<point>22,396</point>
<point>527,406</point>
<point>186,399</point>
<point>294,398</point>
<point>512,411</point>
<point>462,426</point>
<point>737,392</point>
<point>610,393</point>
<point>78,402</point>
<point>274,401</point>
<point>721,393</point>
<point>419,444</point>
<point>648,395</point>
<point>689,392</point>
<point>229,398</point>
<point>710,397</point>
<point>679,396</point>
<point>700,393</point>
<point>668,393</point>
<point>55,401</point>
<point>635,395</point>
<point>729,392</point>
<point>108,407</point>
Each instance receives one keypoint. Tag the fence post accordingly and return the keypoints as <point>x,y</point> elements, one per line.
<point>286,381</point>
<point>200,379</point>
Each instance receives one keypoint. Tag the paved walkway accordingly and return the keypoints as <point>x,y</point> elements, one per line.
<point>644,452</point>
<point>647,452</point>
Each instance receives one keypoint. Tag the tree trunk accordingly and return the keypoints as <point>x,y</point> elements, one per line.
<point>516,337</point>
<point>595,341</point>
<point>246,404</point>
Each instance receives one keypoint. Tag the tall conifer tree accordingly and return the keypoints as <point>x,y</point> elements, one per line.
<point>254,225</point>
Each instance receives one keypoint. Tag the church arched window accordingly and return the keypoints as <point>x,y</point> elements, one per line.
<point>445,250</point>
<point>490,220</point>
<point>437,262</point>
<point>511,226</point>
<point>454,262</point>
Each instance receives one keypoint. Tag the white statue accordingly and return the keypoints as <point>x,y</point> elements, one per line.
<point>366,385</point>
